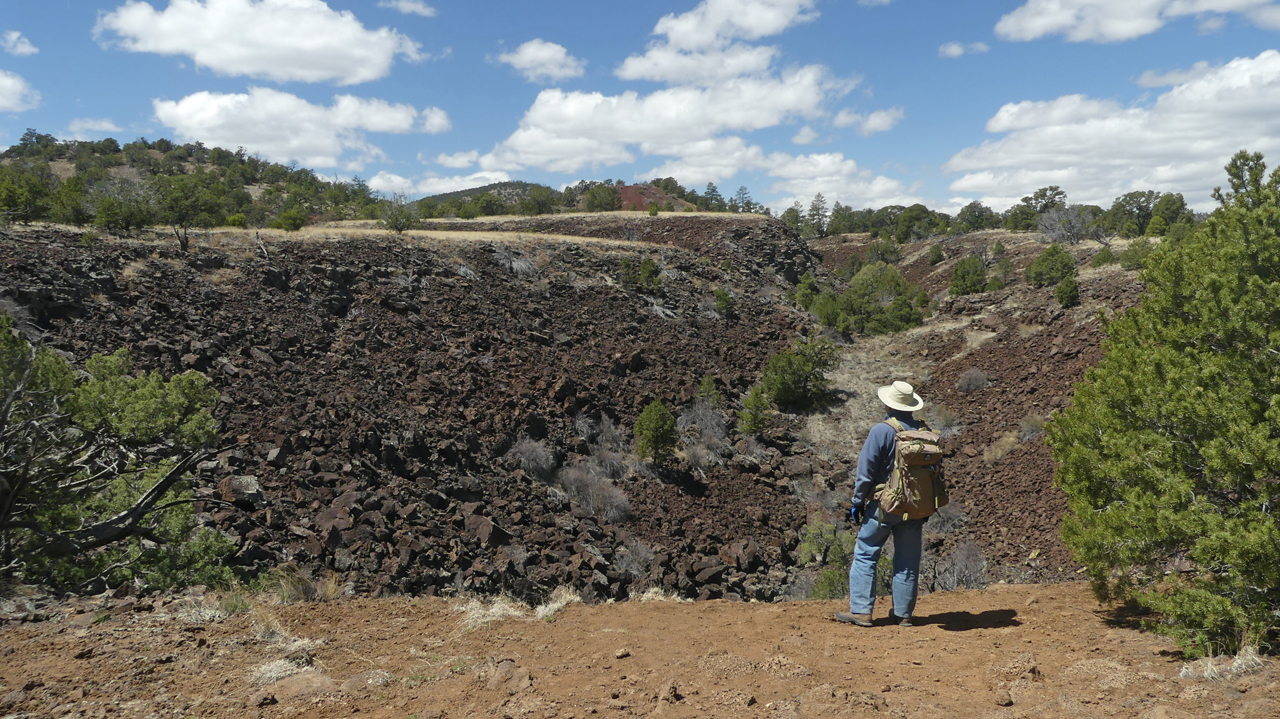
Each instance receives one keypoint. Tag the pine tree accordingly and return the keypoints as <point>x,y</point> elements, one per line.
<point>1170,450</point>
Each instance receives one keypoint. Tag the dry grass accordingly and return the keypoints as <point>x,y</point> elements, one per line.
<point>133,270</point>
<point>292,584</point>
<point>1030,427</point>
<point>560,598</point>
<point>222,276</point>
<point>999,448</point>
<point>477,612</point>
<point>973,380</point>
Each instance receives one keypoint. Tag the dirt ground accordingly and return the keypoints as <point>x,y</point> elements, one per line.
<point>1005,652</point>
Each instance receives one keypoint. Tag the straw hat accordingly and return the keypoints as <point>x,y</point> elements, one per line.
<point>900,396</point>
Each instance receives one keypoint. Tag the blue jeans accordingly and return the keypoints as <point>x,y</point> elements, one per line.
<point>907,536</point>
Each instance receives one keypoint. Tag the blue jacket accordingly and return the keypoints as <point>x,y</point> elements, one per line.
<point>875,461</point>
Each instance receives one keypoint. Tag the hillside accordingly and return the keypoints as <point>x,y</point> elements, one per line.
<point>510,192</point>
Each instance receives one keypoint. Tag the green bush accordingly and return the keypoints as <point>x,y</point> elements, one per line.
<point>88,495</point>
<point>821,543</point>
<point>753,418</point>
<point>852,266</point>
<point>1067,292</point>
<point>724,302</point>
<point>653,209</point>
<point>998,250</point>
<point>1169,450</point>
<point>90,238</point>
<point>647,278</point>
<point>656,432</point>
<point>708,391</point>
<point>831,583</point>
<point>1135,256</point>
<point>291,220</point>
<point>969,276</point>
<point>236,220</point>
<point>885,250</point>
<point>797,377</point>
<point>878,301</point>
<point>1051,267</point>
<point>806,290</point>
<point>1103,258</point>
<point>935,255</point>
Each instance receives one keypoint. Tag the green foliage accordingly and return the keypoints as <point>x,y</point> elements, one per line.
<point>821,543</point>
<point>1067,292</point>
<point>1134,257</point>
<point>1051,267</point>
<point>885,250</point>
<point>184,201</point>
<point>648,278</point>
<point>1020,218</point>
<point>1103,258</point>
<point>998,249</point>
<point>1045,199</point>
<point>656,432</point>
<point>831,583</point>
<point>84,506</point>
<point>90,238</point>
<point>878,301</point>
<point>1169,449</point>
<point>724,302</point>
<point>935,255</point>
<point>969,276</point>
<point>753,418</point>
<point>399,214</point>
<point>653,209</point>
<point>602,198</point>
<point>793,216</point>
<point>976,216</point>
<point>797,377</point>
<point>290,220</point>
<point>1157,227</point>
<point>708,391</point>
<point>807,290</point>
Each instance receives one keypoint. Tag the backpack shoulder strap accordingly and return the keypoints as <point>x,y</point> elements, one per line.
<point>895,424</point>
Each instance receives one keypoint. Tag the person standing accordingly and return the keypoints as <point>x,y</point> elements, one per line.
<point>875,463</point>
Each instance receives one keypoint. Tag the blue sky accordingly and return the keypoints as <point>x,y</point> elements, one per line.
<point>870,102</point>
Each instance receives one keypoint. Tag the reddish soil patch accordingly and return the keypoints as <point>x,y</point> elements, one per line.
<point>1010,651</point>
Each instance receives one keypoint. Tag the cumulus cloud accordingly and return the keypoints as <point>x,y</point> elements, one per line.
<point>541,61</point>
<point>14,43</point>
<point>88,128</point>
<point>958,49</point>
<point>1150,78</point>
<point>878,121</point>
<point>717,86</point>
<point>280,40</point>
<point>1099,149</point>
<point>16,94</point>
<point>705,45</point>
<point>458,160</point>
<point>409,7</point>
<point>285,127</point>
<point>805,136</point>
<point>1111,21</point>
<point>432,184</point>
<point>435,121</point>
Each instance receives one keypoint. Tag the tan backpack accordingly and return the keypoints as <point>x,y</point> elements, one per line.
<point>915,488</point>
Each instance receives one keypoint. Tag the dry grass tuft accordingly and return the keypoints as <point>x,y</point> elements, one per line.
<point>1030,427</point>
<point>477,613</point>
<point>973,380</point>
<point>562,597</point>
<point>999,448</point>
<point>292,584</point>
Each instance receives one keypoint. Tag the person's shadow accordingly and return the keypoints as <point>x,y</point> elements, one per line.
<point>964,621</point>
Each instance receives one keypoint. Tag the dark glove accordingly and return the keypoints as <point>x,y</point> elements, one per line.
<point>859,514</point>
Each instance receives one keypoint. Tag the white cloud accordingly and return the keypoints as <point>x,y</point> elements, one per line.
<point>873,3</point>
<point>280,40</point>
<point>1097,150</point>
<point>878,121</point>
<point>432,184</point>
<point>435,121</point>
<point>1150,78</point>
<point>409,7</point>
<point>539,61</point>
<point>704,45</point>
<point>286,127</point>
<point>88,128</point>
<point>1115,21</point>
<point>14,43</point>
<point>957,49</point>
<point>458,160</point>
<point>805,136</point>
<point>16,95</point>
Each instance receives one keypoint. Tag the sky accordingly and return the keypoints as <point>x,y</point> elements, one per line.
<point>870,102</point>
